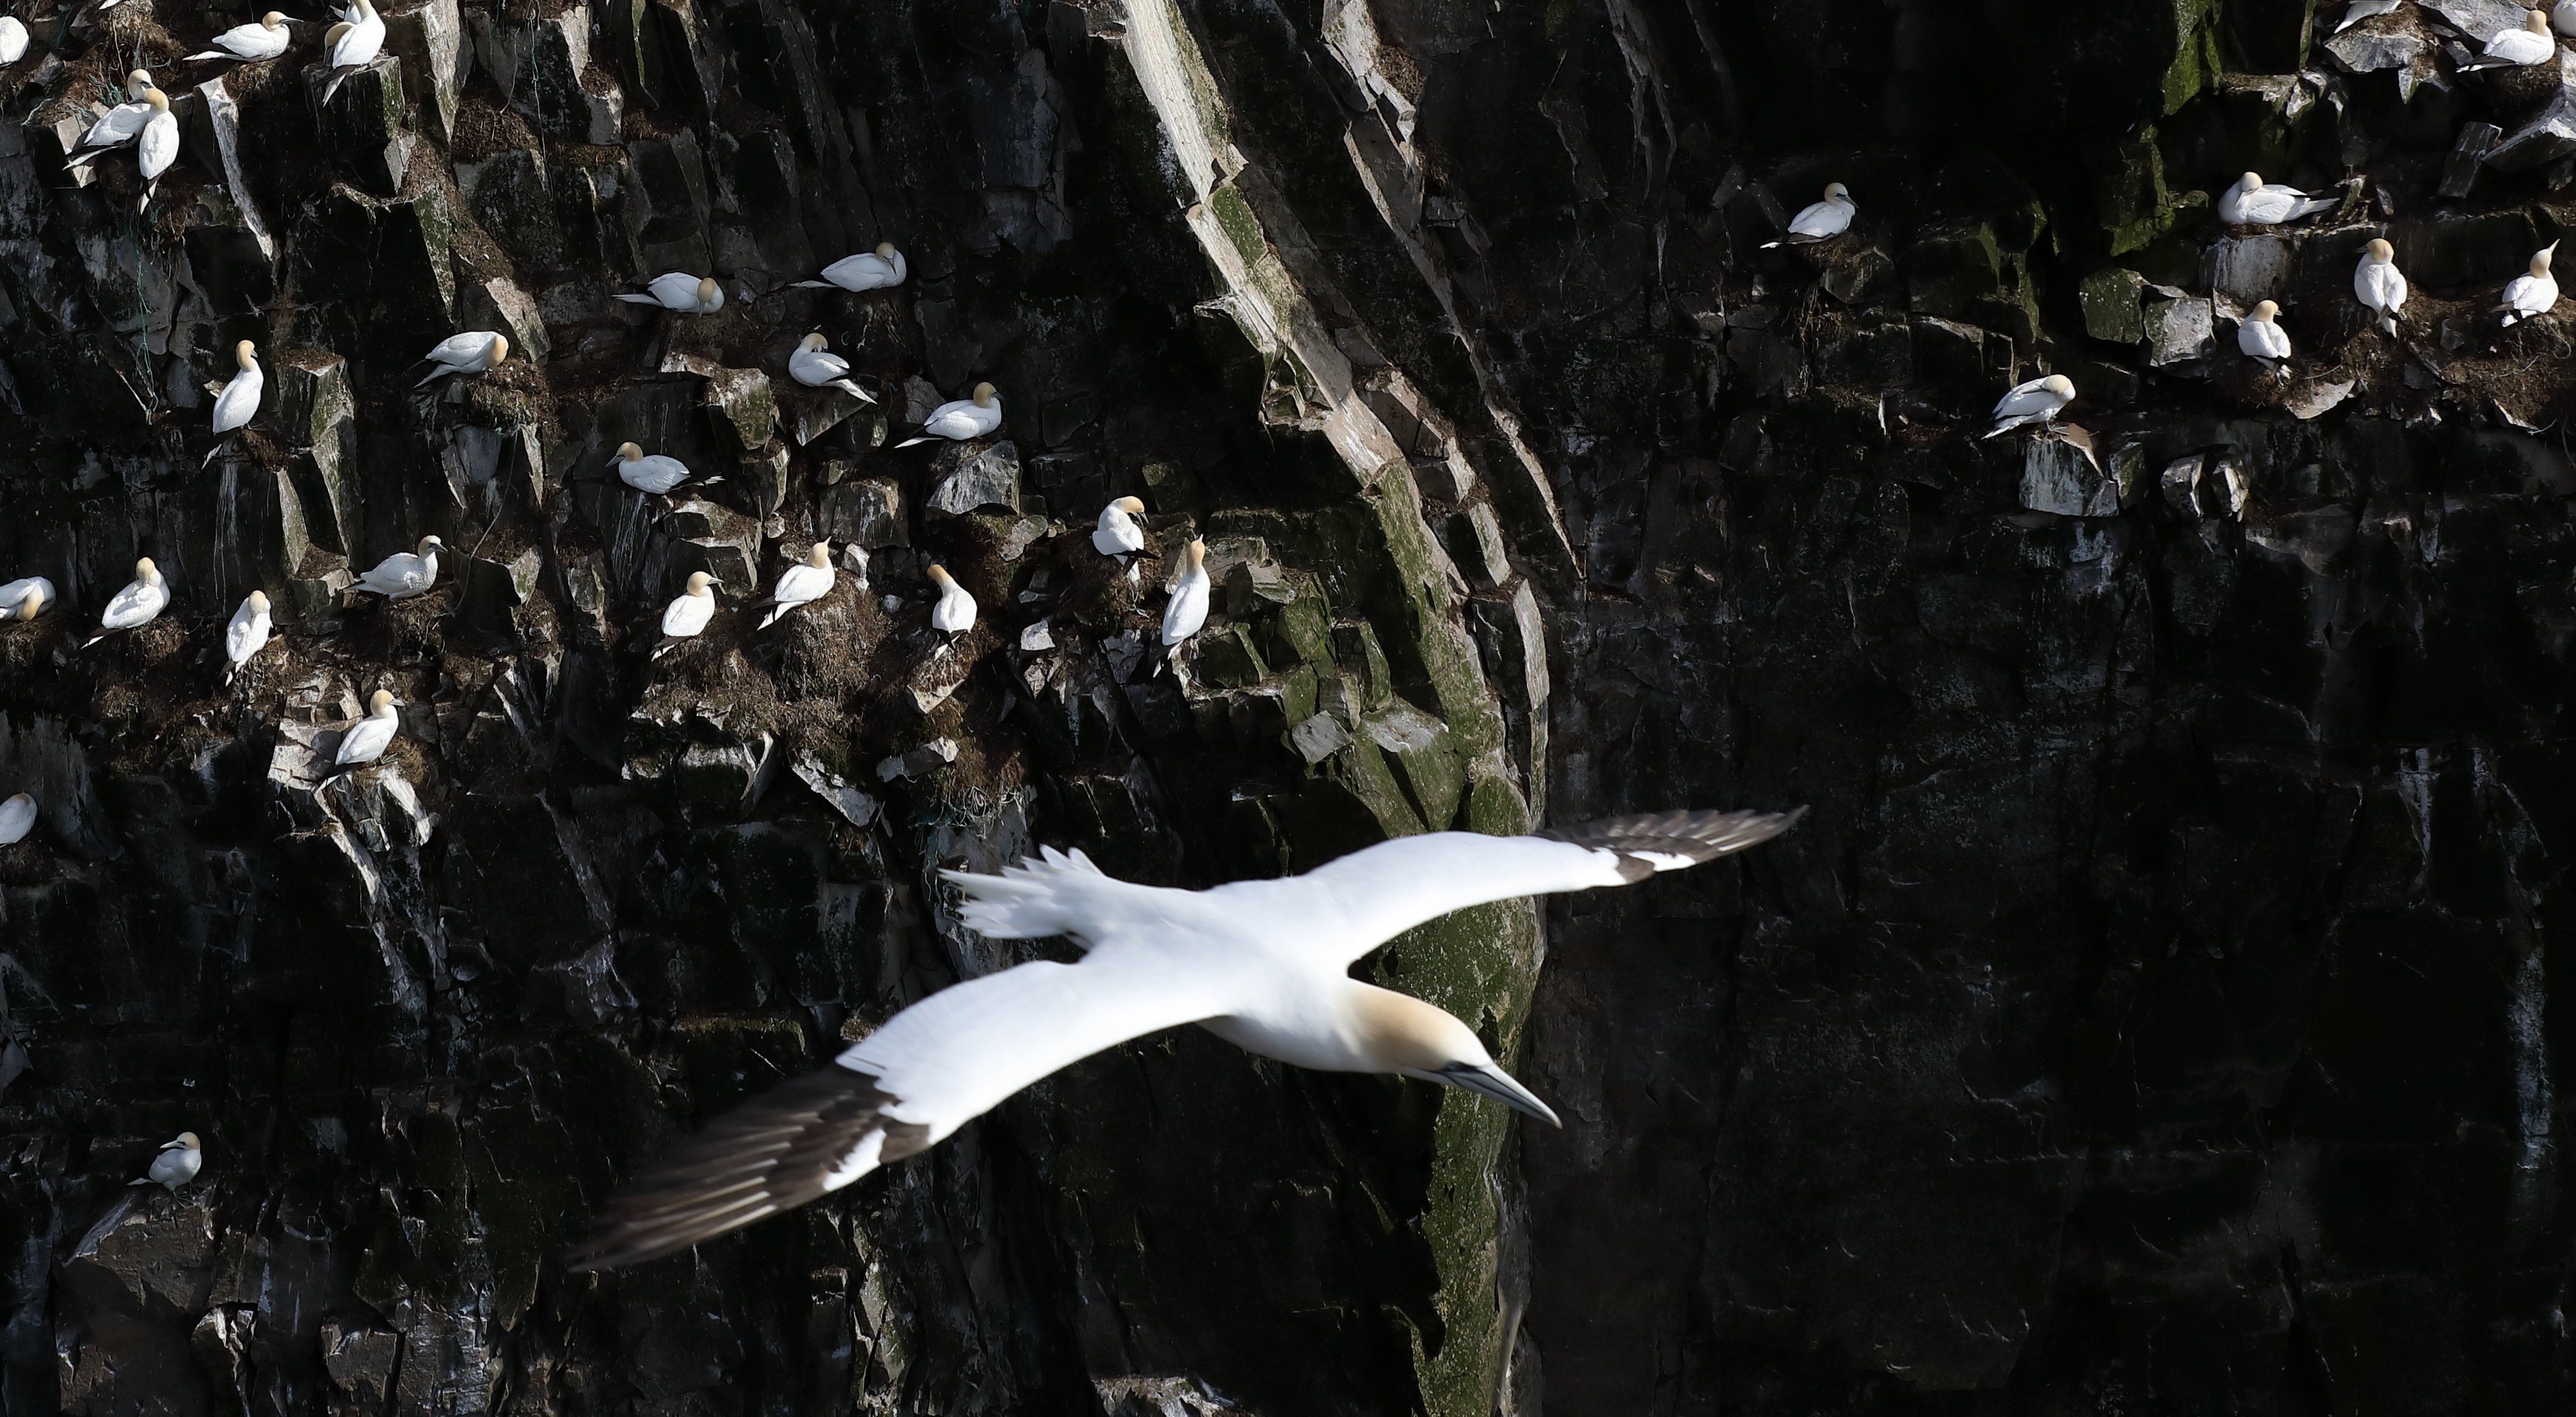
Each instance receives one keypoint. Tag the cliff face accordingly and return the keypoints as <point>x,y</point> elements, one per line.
<point>2153,1015</point>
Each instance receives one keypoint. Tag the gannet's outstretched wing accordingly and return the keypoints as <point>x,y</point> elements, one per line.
<point>932,1068</point>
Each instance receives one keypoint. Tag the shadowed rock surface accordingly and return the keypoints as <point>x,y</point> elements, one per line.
<point>2153,1014</point>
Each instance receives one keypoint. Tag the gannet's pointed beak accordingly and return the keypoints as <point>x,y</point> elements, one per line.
<point>1501,1086</point>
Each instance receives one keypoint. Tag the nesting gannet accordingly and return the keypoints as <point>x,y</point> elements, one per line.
<point>1118,534</point>
<point>678,290</point>
<point>2360,10</point>
<point>404,574</point>
<point>657,474</point>
<point>1188,610</point>
<point>13,39</point>
<point>954,612</point>
<point>961,419</point>
<point>139,603</point>
<point>157,146</point>
<point>2531,44</point>
<point>2035,402</point>
<point>1263,964</point>
<point>2252,202</point>
<point>240,398</point>
<point>818,368</point>
<point>473,352</point>
<point>353,45</point>
<point>2379,284</point>
<point>17,818</point>
<point>688,613</point>
<point>2260,336</point>
<point>366,740</point>
<point>866,271</point>
<point>1820,221</point>
<point>265,40</point>
<point>2536,293</point>
<point>118,126</point>
<point>807,581</point>
<point>177,1164</point>
<point>247,634</point>
<point>26,598</point>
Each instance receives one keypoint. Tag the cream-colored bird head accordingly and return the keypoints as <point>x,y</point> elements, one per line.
<point>1402,1034</point>
<point>2265,311</point>
<point>30,602</point>
<point>628,452</point>
<point>381,703</point>
<point>272,20</point>
<point>812,342</point>
<point>1194,557</point>
<point>429,545</point>
<point>2381,251</point>
<point>2536,21</point>
<point>258,602</point>
<point>2059,385</point>
<point>1837,192</point>
<point>27,797</point>
<point>885,250</point>
<point>137,84</point>
<point>820,556</point>
<point>939,576</point>
<point>243,355</point>
<point>2540,259</point>
<point>710,294</point>
<point>984,395</point>
<point>699,581</point>
<point>185,1141</point>
<point>500,343</point>
<point>1132,506</point>
<point>159,101</point>
<point>146,572</point>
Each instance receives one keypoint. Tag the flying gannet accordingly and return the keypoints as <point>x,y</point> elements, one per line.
<point>2260,336</point>
<point>2037,401</point>
<point>866,271</point>
<point>1118,534</point>
<point>1189,608</point>
<point>353,45</point>
<point>2379,285</point>
<point>687,614</point>
<point>954,612</point>
<point>366,740</point>
<point>139,603</point>
<point>818,368</point>
<point>404,574</point>
<point>2254,202</point>
<point>26,598</point>
<point>247,634</point>
<point>656,475</point>
<point>1820,221</point>
<point>678,290</point>
<point>177,1164</point>
<point>801,584</point>
<point>961,419</point>
<point>240,398</point>
<point>1263,964</point>
<point>264,40</point>
<point>2536,293</point>
<point>17,818</point>
<point>473,352</point>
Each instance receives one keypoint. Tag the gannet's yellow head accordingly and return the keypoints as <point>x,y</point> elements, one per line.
<point>30,601</point>
<point>146,572</point>
<point>160,101</point>
<point>984,395</point>
<point>885,250</point>
<point>242,353</point>
<point>710,294</point>
<point>259,602</point>
<point>820,557</point>
<point>1837,192</point>
<point>1404,1035</point>
<point>1194,557</point>
<point>2059,385</point>
<point>2265,311</point>
<point>185,1141</point>
<point>136,84</point>
<point>939,576</point>
<point>272,20</point>
<point>2540,259</point>
<point>381,703</point>
<point>2536,21</point>
<point>699,581</point>
<point>500,343</point>
<point>812,342</point>
<point>628,452</point>
<point>1132,506</point>
<point>2251,182</point>
<point>430,544</point>
<point>2381,251</point>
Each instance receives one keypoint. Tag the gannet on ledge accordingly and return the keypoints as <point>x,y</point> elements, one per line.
<point>1262,964</point>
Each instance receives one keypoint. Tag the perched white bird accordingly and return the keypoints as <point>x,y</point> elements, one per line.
<point>961,419</point>
<point>265,40</point>
<point>1820,221</point>
<point>118,126</point>
<point>366,740</point>
<point>800,584</point>
<point>2378,283</point>
<point>240,398</point>
<point>1263,964</point>
<point>2035,402</point>
<point>2537,293</point>
<point>247,634</point>
<point>818,368</point>
<point>353,45</point>
<point>404,574</point>
<point>2562,17</point>
<point>1118,534</point>
<point>17,818</point>
<point>2529,45</point>
<point>26,598</point>
<point>1189,608</point>
<point>2260,336</point>
<point>177,1164</point>
<point>687,614</point>
<point>678,290</point>
<point>2252,203</point>
<point>954,612</point>
<point>473,352</point>
<point>139,603</point>
<point>158,145</point>
<point>657,474</point>
<point>863,272</point>
<point>13,39</point>
<point>2360,10</point>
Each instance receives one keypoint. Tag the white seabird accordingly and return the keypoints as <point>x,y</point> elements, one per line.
<point>818,368</point>
<point>1263,964</point>
<point>473,352</point>
<point>2526,296</point>
<point>264,40</point>
<point>177,1164</point>
<point>2562,17</point>
<point>954,612</point>
<point>961,419</point>
<point>678,290</point>
<point>2260,336</point>
<point>26,598</point>
<point>1189,608</point>
<point>240,398</point>
<point>17,818</point>
<point>247,634</point>
<point>139,603</point>
<point>2378,283</point>
<point>2529,45</point>
<point>877,270</point>
<point>366,740</point>
<point>1118,534</point>
<point>657,474</point>
<point>157,146</point>
<point>13,39</point>
<point>2360,10</point>
<point>687,614</point>
<point>404,574</point>
<point>1820,221</point>
<point>353,45</point>
<point>2252,202</point>
<point>2037,401</point>
<point>118,126</point>
<point>800,584</point>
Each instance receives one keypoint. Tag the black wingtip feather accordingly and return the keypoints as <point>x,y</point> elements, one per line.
<point>1694,836</point>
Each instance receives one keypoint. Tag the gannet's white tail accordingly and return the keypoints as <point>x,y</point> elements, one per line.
<point>640,299</point>
<point>816,285</point>
<point>854,391</point>
<point>2314,205</point>
<point>1051,893</point>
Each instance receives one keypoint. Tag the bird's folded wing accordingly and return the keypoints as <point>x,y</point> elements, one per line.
<point>1369,896</point>
<point>932,1067</point>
